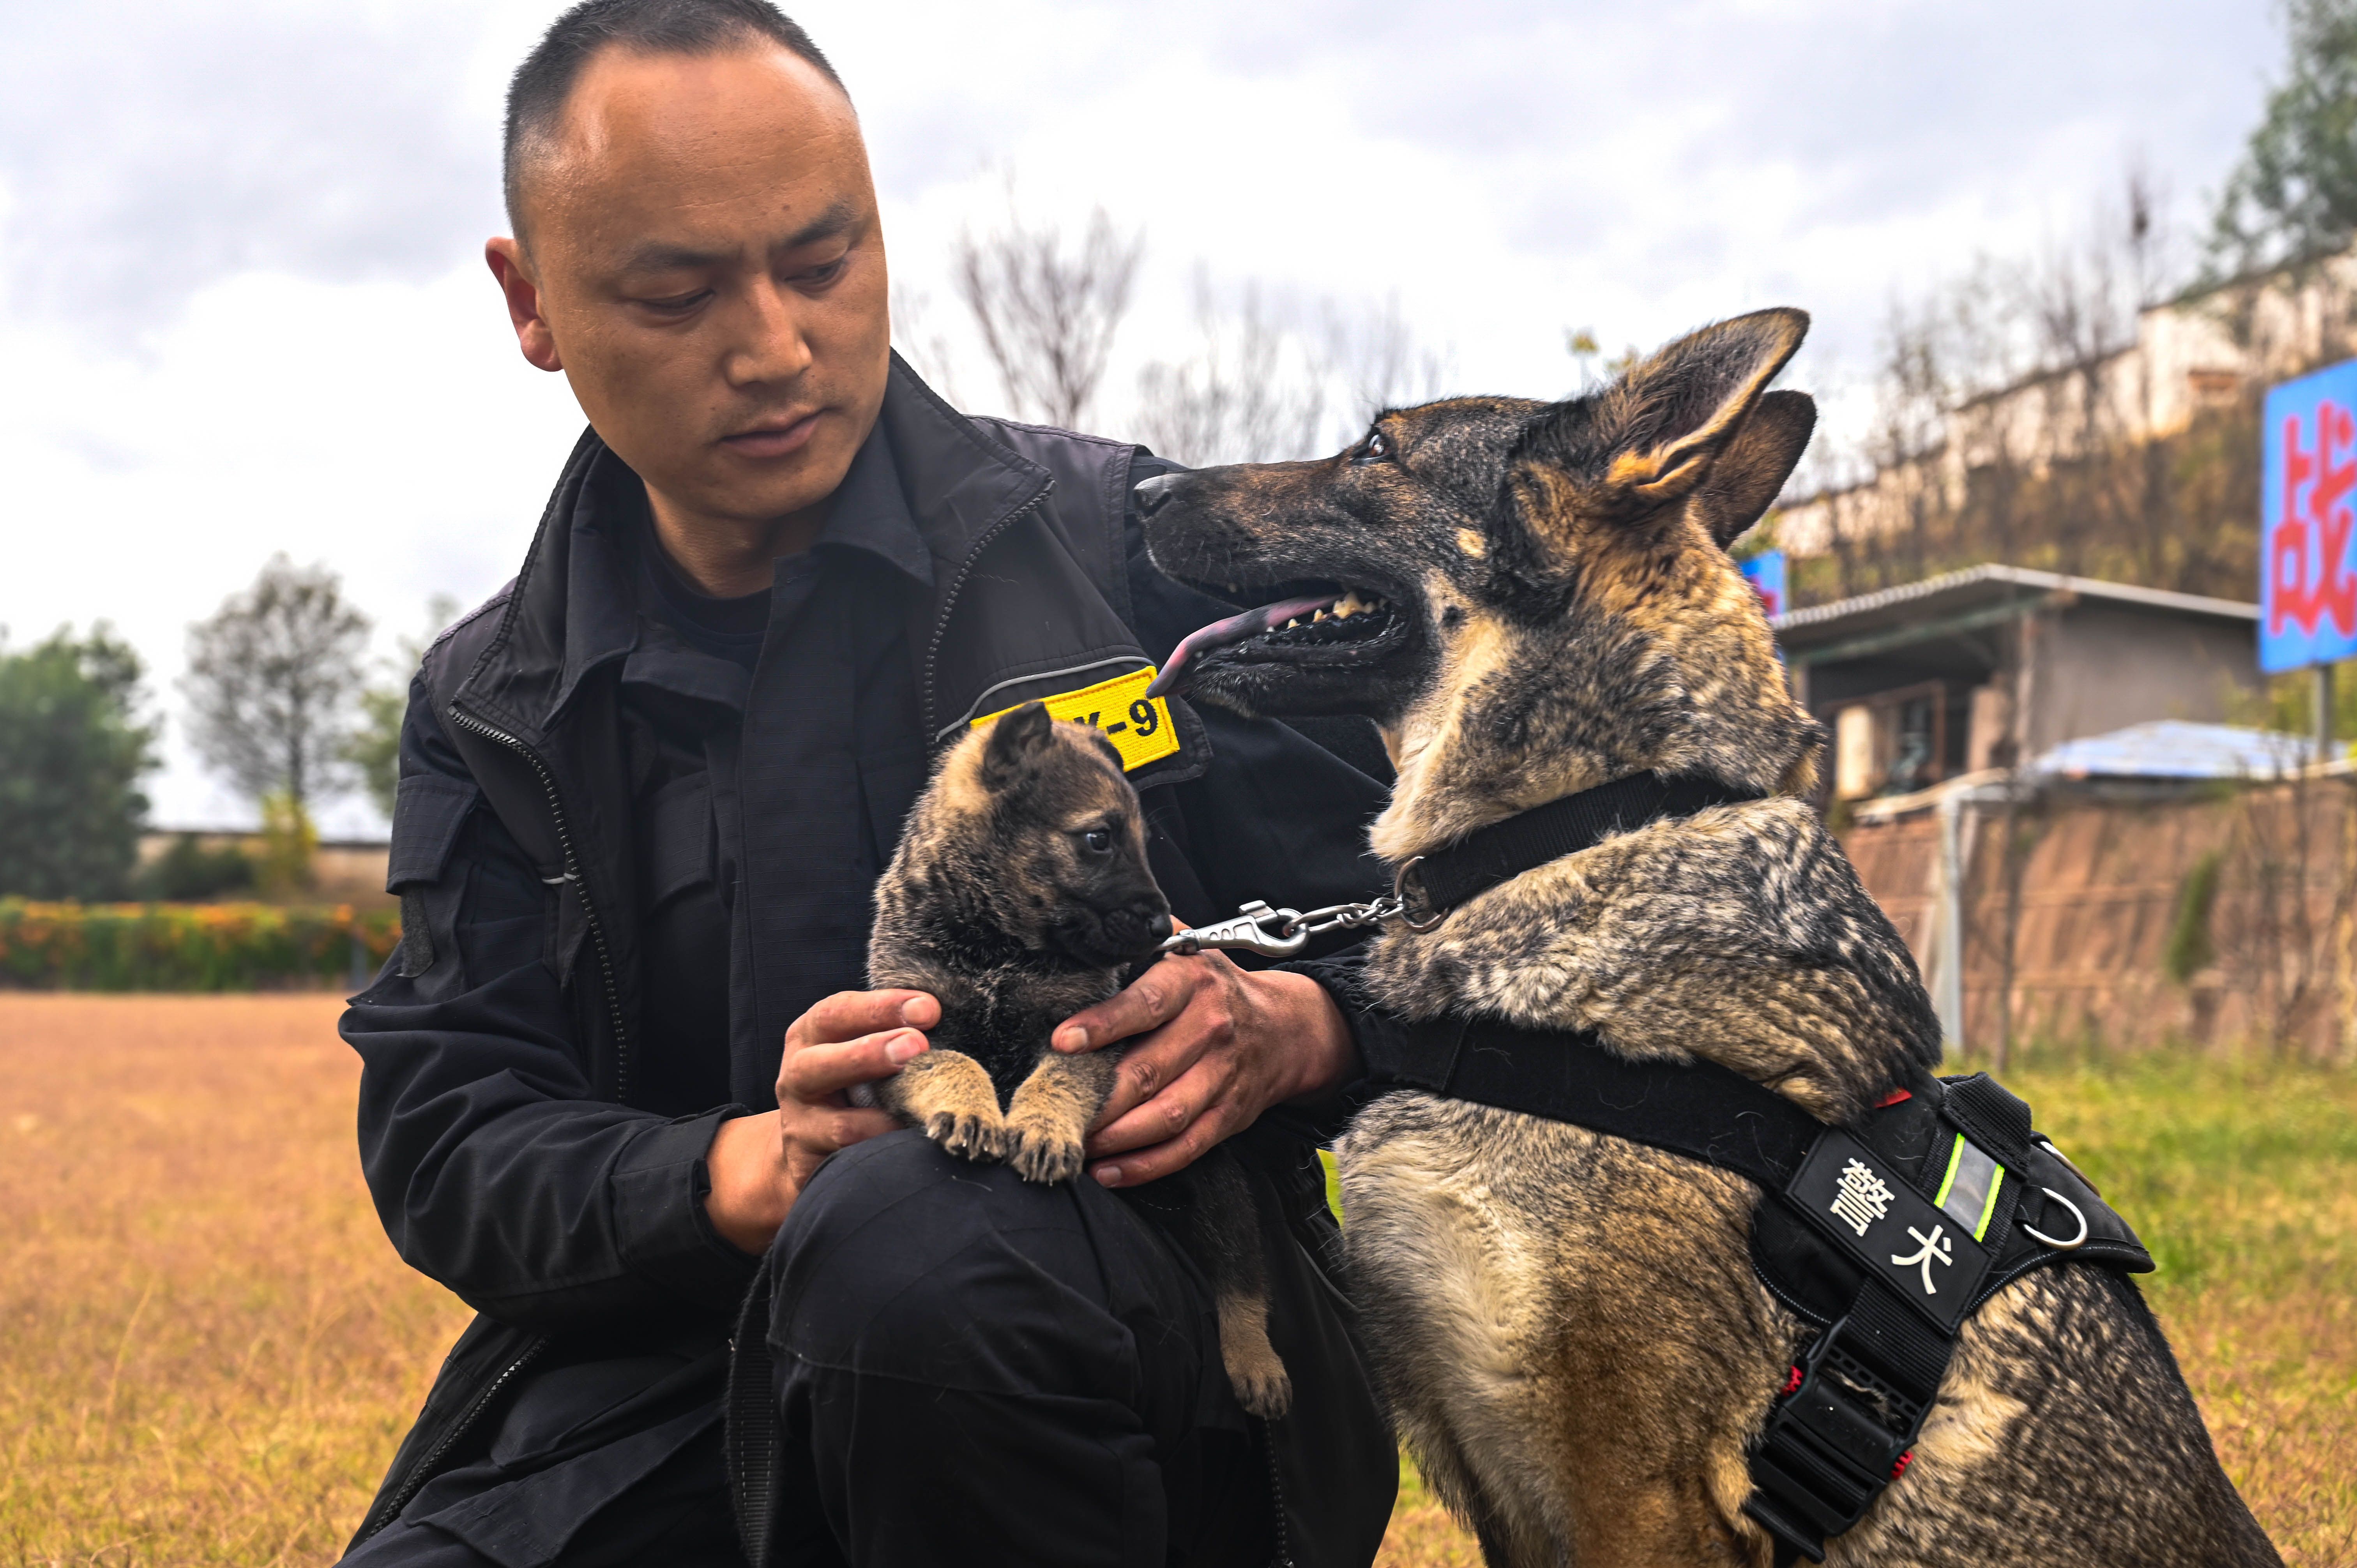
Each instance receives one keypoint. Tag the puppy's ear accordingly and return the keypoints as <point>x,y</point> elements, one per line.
<point>1745,480</point>
<point>1658,433</point>
<point>1017,740</point>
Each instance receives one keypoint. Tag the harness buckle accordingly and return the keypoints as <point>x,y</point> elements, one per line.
<point>1832,1442</point>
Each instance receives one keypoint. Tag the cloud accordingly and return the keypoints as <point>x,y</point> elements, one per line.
<point>242,310</point>
<point>149,150</point>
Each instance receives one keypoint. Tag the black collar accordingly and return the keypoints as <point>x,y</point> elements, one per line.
<point>1502,851</point>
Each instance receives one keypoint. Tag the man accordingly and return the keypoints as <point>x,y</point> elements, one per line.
<point>646,790</point>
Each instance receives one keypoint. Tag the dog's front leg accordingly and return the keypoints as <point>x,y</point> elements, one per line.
<point>951,1097</point>
<point>1049,1119</point>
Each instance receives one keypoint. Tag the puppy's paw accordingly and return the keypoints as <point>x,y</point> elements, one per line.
<point>1041,1153</point>
<point>967,1136</point>
<point>1263,1386</point>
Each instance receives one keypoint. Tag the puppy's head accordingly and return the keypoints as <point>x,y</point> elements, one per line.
<point>1047,818</point>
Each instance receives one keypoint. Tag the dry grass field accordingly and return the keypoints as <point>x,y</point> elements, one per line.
<point>207,1351</point>
<point>209,1348</point>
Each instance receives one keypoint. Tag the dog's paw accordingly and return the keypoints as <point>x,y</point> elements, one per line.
<point>1263,1386</point>
<point>1043,1154</point>
<point>967,1136</point>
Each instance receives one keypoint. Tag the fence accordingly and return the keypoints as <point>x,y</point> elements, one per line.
<point>2106,921</point>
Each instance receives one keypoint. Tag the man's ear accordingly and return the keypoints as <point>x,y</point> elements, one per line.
<point>1018,739</point>
<point>1665,425</point>
<point>1760,456</point>
<point>509,264</point>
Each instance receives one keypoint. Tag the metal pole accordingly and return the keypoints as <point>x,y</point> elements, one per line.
<point>2323,713</point>
<point>1948,938</point>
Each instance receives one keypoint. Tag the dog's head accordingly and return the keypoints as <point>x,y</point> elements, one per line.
<point>1033,829</point>
<point>1528,598</point>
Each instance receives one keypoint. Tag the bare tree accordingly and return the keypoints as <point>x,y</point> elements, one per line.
<point>1378,358</point>
<point>1248,396</point>
<point>271,680</point>
<point>916,333</point>
<point>1276,378</point>
<point>1047,312</point>
<point>2013,422</point>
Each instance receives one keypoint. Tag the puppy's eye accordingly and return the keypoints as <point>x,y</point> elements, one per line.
<point>1098,841</point>
<point>1374,449</point>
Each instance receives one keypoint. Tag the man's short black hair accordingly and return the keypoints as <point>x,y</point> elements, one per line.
<point>543,83</point>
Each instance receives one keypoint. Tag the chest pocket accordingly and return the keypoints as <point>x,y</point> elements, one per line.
<point>677,849</point>
<point>427,812</point>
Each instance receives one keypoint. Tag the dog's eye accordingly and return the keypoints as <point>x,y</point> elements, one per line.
<point>1374,449</point>
<point>1098,841</point>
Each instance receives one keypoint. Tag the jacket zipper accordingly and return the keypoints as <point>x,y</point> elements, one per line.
<point>957,584</point>
<point>466,720</point>
<point>1284,1558</point>
<point>427,1467</point>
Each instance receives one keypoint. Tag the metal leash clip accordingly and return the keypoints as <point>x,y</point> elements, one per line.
<point>1279,933</point>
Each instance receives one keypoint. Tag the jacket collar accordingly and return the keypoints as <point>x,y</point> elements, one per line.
<point>565,619</point>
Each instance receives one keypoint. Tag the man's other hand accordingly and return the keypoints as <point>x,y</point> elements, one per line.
<point>1212,1046</point>
<point>758,1164</point>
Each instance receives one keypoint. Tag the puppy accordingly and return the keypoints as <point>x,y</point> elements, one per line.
<point>1018,896</point>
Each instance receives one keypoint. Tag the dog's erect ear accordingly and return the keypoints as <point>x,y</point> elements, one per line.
<point>1018,739</point>
<point>1745,479</point>
<point>1663,427</point>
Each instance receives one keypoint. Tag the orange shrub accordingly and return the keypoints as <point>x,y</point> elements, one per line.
<point>188,946</point>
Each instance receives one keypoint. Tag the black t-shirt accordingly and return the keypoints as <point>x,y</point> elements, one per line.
<point>729,629</point>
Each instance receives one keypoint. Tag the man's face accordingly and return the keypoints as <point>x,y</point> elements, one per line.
<point>708,269</point>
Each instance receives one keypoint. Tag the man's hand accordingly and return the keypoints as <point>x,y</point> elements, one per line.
<point>759,1163</point>
<point>1215,1046</point>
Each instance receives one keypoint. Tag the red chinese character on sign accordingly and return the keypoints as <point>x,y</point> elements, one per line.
<point>2323,520</point>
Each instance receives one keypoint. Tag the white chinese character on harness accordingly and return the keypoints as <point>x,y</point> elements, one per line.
<point>1935,1251</point>
<point>1863,1199</point>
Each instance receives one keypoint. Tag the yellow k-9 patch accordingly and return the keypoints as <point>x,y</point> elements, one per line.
<point>1138,725</point>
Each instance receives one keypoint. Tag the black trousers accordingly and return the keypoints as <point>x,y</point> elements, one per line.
<point>968,1369</point>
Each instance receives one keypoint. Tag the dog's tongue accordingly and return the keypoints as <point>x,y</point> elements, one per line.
<point>1178,674</point>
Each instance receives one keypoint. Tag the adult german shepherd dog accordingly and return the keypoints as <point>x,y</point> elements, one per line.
<point>1531,599</point>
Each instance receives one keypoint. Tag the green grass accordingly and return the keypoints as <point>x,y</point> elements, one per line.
<point>2238,1176</point>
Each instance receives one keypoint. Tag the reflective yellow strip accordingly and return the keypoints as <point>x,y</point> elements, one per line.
<point>1955,1157</point>
<point>1138,725</point>
<point>1988,1209</point>
<point>1968,1192</point>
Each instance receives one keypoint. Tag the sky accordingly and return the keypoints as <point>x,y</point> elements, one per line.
<point>243,310</point>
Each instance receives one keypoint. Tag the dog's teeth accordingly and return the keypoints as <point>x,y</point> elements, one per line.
<point>1293,622</point>
<point>1318,617</point>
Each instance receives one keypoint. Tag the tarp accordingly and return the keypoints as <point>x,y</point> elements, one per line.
<point>2173,749</point>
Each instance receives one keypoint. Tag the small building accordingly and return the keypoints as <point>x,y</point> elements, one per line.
<point>1991,666</point>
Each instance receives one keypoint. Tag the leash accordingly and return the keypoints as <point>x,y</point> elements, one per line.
<point>1885,1233</point>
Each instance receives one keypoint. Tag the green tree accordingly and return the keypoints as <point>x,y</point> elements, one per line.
<point>72,751</point>
<point>374,748</point>
<point>2294,195</point>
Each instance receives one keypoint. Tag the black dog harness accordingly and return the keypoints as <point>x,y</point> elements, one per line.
<point>1885,1233</point>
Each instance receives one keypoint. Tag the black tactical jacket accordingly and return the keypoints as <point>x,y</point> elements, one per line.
<point>497,1128</point>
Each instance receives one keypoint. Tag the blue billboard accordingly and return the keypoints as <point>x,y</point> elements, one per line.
<point>2307,571</point>
<point>1765,573</point>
